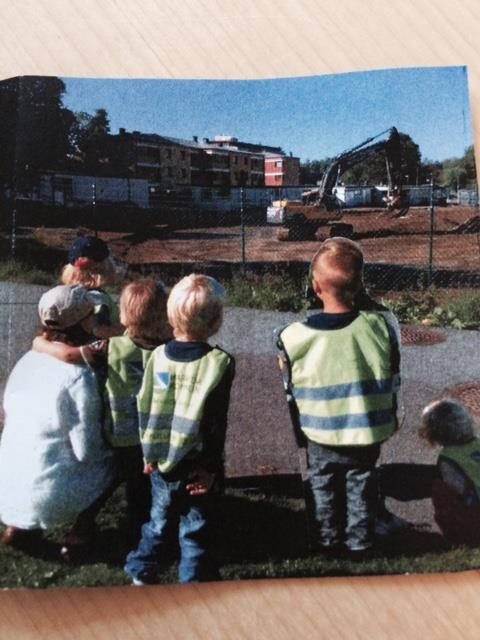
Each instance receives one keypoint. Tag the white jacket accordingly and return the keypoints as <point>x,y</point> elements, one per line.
<point>53,459</point>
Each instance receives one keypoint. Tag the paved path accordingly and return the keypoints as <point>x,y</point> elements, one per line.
<point>260,439</point>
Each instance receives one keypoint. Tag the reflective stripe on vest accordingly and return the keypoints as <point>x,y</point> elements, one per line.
<point>467,457</point>
<point>171,404</point>
<point>126,363</point>
<point>342,381</point>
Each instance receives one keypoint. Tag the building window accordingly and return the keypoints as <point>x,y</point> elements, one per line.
<point>235,159</point>
<point>278,163</point>
<point>169,153</point>
<point>184,173</point>
<point>206,194</point>
<point>245,160</point>
<point>169,172</point>
<point>182,153</point>
<point>278,178</point>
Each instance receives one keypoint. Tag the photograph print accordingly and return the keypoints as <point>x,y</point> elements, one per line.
<point>239,328</point>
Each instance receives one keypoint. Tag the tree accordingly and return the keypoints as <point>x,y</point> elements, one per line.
<point>90,138</point>
<point>41,137</point>
<point>311,171</point>
<point>8,127</point>
<point>374,171</point>
<point>459,173</point>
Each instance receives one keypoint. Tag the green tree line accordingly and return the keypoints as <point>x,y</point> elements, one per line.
<point>452,172</point>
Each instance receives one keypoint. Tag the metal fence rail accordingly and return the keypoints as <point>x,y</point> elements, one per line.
<point>436,241</point>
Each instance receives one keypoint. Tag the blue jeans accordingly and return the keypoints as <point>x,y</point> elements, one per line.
<point>344,487</point>
<point>174,514</point>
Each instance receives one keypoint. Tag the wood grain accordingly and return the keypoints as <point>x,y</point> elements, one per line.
<point>244,39</point>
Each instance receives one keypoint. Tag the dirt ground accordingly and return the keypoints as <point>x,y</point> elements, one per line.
<point>384,238</point>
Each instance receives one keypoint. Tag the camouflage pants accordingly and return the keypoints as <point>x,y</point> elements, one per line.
<point>344,491</point>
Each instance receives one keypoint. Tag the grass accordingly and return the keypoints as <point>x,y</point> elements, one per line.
<point>259,534</point>
<point>18,271</point>
<point>269,292</point>
<point>435,308</point>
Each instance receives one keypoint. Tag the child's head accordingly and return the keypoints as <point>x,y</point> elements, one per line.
<point>195,307</point>
<point>89,264</point>
<point>337,270</point>
<point>66,314</point>
<point>143,310</point>
<point>447,422</point>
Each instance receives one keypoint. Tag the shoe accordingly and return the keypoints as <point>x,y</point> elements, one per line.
<point>136,582</point>
<point>359,555</point>
<point>388,524</point>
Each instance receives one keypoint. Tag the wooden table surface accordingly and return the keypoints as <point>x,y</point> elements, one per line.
<point>244,39</point>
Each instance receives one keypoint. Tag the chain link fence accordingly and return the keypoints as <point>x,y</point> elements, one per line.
<point>227,230</point>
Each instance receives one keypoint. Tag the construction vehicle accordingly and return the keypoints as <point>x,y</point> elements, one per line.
<point>320,206</point>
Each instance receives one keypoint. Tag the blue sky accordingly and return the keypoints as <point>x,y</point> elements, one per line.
<point>313,117</point>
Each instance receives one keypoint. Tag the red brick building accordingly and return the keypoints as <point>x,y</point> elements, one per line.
<point>281,170</point>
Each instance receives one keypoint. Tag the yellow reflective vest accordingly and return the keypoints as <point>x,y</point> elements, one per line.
<point>467,458</point>
<point>171,405</point>
<point>126,364</point>
<point>341,380</point>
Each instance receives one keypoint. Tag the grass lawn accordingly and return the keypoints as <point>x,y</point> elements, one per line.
<point>259,535</point>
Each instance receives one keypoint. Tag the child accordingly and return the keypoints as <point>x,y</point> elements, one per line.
<point>54,465</point>
<point>456,491</point>
<point>90,265</point>
<point>183,406</point>
<point>341,367</point>
<point>143,311</point>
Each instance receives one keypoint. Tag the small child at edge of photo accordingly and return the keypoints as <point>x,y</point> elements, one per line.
<point>456,489</point>
<point>183,405</point>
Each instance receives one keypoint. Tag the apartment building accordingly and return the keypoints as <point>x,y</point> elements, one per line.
<point>222,162</point>
<point>281,170</point>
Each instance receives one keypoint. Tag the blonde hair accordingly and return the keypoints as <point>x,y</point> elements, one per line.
<point>195,306</point>
<point>447,422</point>
<point>143,310</point>
<point>338,265</point>
<point>98,275</point>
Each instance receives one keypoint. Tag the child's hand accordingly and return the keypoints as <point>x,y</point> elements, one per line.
<point>201,482</point>
<point>149,468</point>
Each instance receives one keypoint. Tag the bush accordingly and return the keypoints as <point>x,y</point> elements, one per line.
<point>269,292</point>
<point>17,271</point>
<point>427,309</point>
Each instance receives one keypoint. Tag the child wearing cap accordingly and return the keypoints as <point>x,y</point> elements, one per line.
<point>183,406</point>
<point>54,463</point>
<point>122,360</point>
<point>456,490</point>
<point>90,265</point>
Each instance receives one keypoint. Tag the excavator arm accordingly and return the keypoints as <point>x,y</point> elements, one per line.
<point>348,159</point>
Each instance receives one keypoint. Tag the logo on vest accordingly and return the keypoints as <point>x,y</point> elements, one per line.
<point>162,380</point>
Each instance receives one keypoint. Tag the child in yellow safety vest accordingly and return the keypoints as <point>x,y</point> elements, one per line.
<point>91,266</point>
<point>456,490</point>
<point>120,363</point>
<point>341,371</point>
<point>183,406</point>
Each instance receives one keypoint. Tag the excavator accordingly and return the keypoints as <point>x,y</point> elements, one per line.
<point>320,207</point>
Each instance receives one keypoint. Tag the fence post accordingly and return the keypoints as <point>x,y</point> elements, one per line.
<point>242,227</point>
<point>430,246</point>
